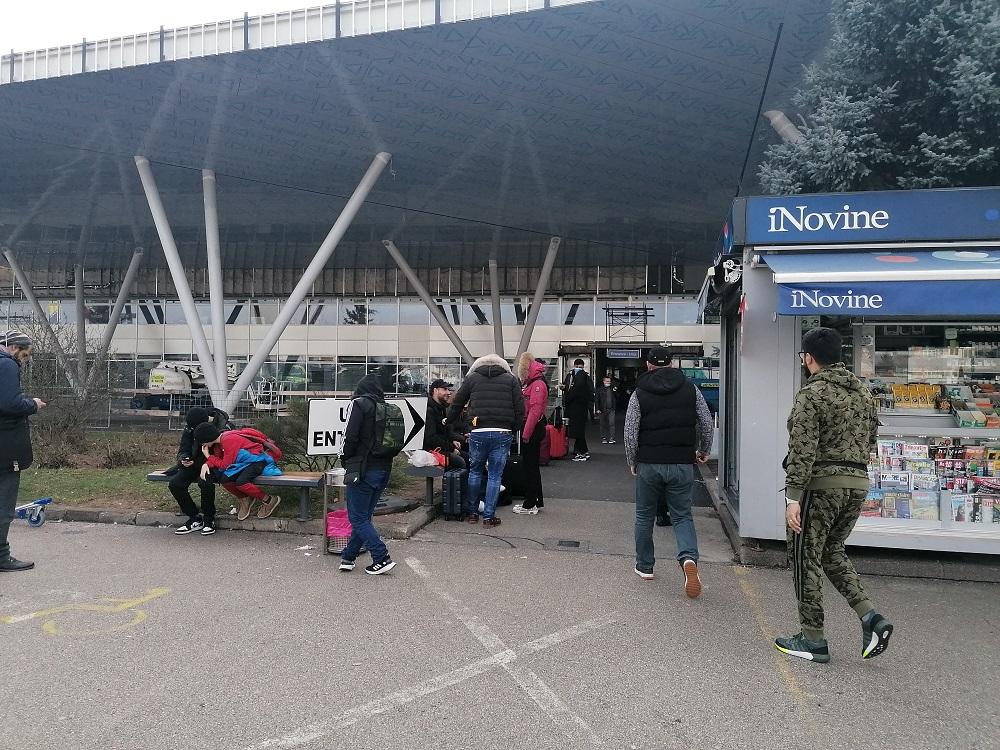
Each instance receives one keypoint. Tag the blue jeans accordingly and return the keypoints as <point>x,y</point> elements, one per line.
<point>362,497</point>
<point>674,482</point>
<point>487,450</point>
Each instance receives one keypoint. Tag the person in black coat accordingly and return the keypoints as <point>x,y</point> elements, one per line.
<point>496,411</point>
<point>577,398</point>
<point>15,436</point>
<point>189,462</point>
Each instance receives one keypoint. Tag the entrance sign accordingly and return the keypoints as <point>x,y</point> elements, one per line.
<point>624,353</point>
<point>327,421</point>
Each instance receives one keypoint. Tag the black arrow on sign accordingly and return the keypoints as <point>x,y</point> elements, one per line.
<point>418,423</point>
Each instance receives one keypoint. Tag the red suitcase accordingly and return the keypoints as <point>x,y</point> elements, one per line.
<point>557,441</point>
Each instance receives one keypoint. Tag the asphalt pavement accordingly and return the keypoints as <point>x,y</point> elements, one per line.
<point>131,637</point>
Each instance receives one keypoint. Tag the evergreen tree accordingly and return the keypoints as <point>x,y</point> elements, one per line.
<point>907,95</point>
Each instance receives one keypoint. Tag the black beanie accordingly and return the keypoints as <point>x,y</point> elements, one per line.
<point>206,432</point>
<point>196,415</point>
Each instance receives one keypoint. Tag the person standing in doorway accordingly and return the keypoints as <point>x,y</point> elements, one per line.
<point>536,399</point>
<point>15,437</point>
<point>367,476</point>
<point>496,410</point>
<point>668,427</point>
<point>579,394</point>
<point>606,407</point>
<point>831,431</point>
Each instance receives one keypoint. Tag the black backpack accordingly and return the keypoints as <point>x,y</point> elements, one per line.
<point>390,431</point>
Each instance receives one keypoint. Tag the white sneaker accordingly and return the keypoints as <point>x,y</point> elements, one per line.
<point>525,511</point>
<point>644,575</point>
<point>604,441</point>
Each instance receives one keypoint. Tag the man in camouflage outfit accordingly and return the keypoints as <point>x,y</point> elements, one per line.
<point>831,430</point>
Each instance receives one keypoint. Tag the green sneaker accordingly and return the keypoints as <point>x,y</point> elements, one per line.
<point>875,632</point>
<point>800,646</point>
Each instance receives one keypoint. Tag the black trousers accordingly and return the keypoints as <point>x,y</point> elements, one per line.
<point>532,471</point>
<point>179,484</point>
<point>9,483</point>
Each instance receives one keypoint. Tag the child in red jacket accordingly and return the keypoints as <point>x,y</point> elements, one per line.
<point>235,460</point>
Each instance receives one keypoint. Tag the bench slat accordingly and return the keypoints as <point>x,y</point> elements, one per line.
<point>288,479</point>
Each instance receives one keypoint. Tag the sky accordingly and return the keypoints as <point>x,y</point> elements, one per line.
<point>35,25</point>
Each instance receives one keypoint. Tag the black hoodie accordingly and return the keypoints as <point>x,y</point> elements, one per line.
<point>15,408</point>
<point>359,435</point>
<point>668,419</point>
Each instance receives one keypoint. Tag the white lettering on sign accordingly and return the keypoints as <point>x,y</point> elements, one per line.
<point>816,299</point>
<point>803,220</point>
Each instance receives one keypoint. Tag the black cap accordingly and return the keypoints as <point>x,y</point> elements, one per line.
<point>659,356</point>
<point>439,383</point>
<point>206,432</point>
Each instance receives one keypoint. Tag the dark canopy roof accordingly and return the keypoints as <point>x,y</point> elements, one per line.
<point>620,122</point>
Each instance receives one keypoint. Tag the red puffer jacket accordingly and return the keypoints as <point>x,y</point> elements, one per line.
<point>536,398</point>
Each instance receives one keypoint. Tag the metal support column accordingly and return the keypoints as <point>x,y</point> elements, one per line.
<point>429,302</point>
<point>81,324</point>
<point>215,291</point>
<point>43,318</point>
<point>177,274</point>
<point>309,276</point>
<point>536,305</point>
<point>495,299</point>
<point>116,313</point>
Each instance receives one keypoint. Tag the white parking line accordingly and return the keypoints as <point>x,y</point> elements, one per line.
<point>505,658</point>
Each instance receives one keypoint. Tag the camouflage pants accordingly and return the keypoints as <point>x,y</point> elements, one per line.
<point>828,517</point>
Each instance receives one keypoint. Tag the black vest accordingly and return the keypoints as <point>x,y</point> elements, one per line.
<point>668,424</point>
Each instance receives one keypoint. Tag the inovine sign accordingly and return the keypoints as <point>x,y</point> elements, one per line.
<point>817,299</point>
<point>801,219</point>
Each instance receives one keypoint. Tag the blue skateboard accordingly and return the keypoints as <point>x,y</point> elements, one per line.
<point>34,512</point>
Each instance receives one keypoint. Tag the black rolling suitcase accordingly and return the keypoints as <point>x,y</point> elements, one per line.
<point>513,474</point>
<point>451,491</point>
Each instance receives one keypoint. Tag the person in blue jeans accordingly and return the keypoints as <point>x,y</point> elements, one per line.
<point>367,475</point>
<point>668,427</point>
<point>496,410</point>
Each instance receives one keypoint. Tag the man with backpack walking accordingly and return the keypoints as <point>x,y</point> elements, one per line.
<point>373,437</point>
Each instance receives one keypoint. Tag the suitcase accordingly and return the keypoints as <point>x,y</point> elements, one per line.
<point>513,475</point>
<point>557,441</point>
<point>545,449</point>
<point>451,495</point>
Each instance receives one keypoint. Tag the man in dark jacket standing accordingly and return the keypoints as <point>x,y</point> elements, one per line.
<point>496,411</point>
<point>366,478</point>
<point>577,399</point>
<point>15,436</point>
<point>606,406</point>
<point>668,427</point>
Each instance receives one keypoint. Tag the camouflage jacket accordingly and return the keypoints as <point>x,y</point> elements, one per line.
<point>833,424</point>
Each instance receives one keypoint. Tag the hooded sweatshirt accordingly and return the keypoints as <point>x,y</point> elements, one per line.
<point>535,393</point>
<point>15,408</point>
<point>831,430</point>
<point>667,421</point>
<point>493,394</point>
<point>359,435</point>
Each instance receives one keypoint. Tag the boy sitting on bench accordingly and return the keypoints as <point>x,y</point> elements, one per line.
<point>234,459</point>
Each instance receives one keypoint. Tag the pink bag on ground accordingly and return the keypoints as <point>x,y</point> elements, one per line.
<point>338,531</point>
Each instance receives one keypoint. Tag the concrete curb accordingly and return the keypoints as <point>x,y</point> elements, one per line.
<point>867,561</point>
<point>393,526</point>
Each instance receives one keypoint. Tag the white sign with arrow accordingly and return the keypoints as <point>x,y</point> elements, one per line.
<point>327,421</point>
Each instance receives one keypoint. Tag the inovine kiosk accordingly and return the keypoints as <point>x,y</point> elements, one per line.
<point>911,279</point>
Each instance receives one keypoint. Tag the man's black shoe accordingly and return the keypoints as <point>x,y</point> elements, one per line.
<point>12,564</point>
<point>664,521</point>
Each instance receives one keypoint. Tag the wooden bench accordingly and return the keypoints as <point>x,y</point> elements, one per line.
<point>430,473</point>
<point>303,480</point>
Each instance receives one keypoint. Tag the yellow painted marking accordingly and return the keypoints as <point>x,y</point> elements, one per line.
<point>114,606</point>
<point>753,599</point>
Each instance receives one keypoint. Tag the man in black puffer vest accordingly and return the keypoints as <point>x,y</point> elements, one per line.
<point>668,427</point>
